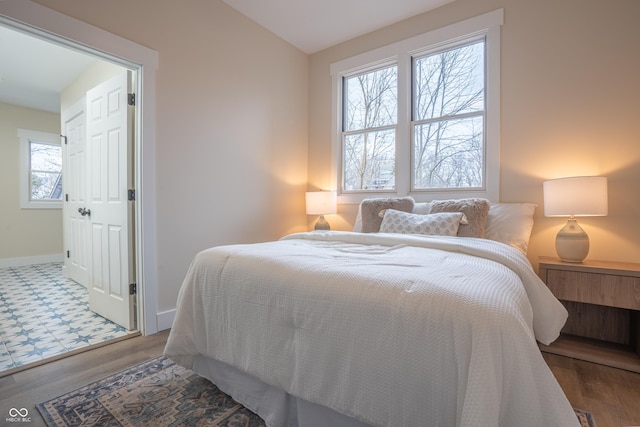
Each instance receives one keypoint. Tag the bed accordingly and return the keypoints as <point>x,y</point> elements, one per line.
<point>385,328</point>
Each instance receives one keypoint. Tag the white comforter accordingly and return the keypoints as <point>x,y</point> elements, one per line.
<point>393,330</point>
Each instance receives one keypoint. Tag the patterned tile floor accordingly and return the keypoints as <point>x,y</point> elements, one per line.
<point>43,314</point>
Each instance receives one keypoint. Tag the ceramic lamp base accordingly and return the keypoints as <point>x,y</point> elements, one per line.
<point>322,224</point>
<point>572,243</point>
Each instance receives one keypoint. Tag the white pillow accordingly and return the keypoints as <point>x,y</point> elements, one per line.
<point>511,223</point>
<point>438,224</point>
<point>357,226</point>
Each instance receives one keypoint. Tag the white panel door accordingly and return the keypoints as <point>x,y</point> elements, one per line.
<point>109,148</point>
<point>76,226</point>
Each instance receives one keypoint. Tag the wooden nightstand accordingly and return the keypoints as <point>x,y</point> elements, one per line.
<point>603,301</point>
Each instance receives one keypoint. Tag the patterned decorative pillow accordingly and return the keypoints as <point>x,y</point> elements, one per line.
<point>438,224</point>
<point>371,208</point>
<point>476,211</point>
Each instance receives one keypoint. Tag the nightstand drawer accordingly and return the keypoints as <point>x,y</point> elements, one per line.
<point>595,288</point>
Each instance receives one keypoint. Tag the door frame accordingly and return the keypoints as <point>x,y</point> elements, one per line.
<point>48,24</point>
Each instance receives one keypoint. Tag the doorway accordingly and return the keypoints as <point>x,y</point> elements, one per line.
<point>44,23</point>
<point>96,171</point>
<point>59,317</point>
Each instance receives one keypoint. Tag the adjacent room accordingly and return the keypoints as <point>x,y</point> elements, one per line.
<point>47,310</point>
<point>244,111</point>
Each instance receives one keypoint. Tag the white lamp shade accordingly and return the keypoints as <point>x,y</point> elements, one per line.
<point>321,202</point>
<point>576,196</point>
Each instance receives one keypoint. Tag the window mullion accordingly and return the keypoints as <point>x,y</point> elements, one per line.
<point>403,129</point>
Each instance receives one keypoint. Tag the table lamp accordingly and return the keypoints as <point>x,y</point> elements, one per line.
<point>572,197</point>
<point>321,203</point>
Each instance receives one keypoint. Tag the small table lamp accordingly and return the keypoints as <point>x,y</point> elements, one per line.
<point>321,203</point>
<point>572,197</point>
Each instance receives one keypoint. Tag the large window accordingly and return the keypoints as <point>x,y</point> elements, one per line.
<point>41,170</point>
<point>421,116</point>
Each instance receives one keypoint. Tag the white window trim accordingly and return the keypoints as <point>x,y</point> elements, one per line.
<point>487,25</point>
<point>26,137</point>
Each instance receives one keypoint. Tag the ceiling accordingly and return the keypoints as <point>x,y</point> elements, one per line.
<point>33,72</point>
<point>315,25</point>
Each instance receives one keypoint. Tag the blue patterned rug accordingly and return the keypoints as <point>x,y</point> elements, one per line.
<point>159,393</point>
<point>154,393</point>
<point>585,418</point>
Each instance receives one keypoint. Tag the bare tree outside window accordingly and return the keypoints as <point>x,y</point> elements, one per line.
<point>369,124</point>
<point>448,118</point>
<point>420,117</point>
<point>46,171</point>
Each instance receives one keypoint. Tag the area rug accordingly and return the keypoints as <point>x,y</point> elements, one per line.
<point>585,418</point>
<point>159,393</point>
<point>154,393</point>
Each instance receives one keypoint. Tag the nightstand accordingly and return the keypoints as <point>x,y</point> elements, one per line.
<point>603,301</point>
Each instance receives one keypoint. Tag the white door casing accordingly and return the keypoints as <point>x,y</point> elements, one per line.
<point>76,226</point>
<point>109,147</point>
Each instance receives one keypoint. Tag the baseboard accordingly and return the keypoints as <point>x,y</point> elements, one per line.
<point>164,320</point>
<point>31,260</point>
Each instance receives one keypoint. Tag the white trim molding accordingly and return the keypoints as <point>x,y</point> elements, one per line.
<point>31,260</point>
<point>165,319</point>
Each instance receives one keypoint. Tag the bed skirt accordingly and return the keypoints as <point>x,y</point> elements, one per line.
<point>275,406</point>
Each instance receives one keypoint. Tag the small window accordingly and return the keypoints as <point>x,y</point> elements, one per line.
<point>41,170</point>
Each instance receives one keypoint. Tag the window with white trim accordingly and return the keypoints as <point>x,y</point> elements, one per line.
<point>421,116</point>
<point>40,170</point>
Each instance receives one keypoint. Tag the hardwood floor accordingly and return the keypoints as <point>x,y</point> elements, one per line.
<point>612,395</point>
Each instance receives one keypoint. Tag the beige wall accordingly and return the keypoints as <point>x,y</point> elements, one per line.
<point>570,91</point>
<point>231,131</point>
<point>97,73</point>
<point>24,232</point>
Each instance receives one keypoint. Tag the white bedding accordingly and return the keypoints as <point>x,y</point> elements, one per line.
<point>393,330</point>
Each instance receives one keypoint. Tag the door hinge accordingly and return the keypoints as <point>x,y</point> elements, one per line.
<point>66,197</point>
<point>131,195</point>
<point>65,139</point>
<point>133,289</point>
<point>131,99</point>
<point>68,254</point>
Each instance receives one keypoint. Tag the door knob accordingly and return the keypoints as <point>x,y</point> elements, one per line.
<point>84,211</point>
